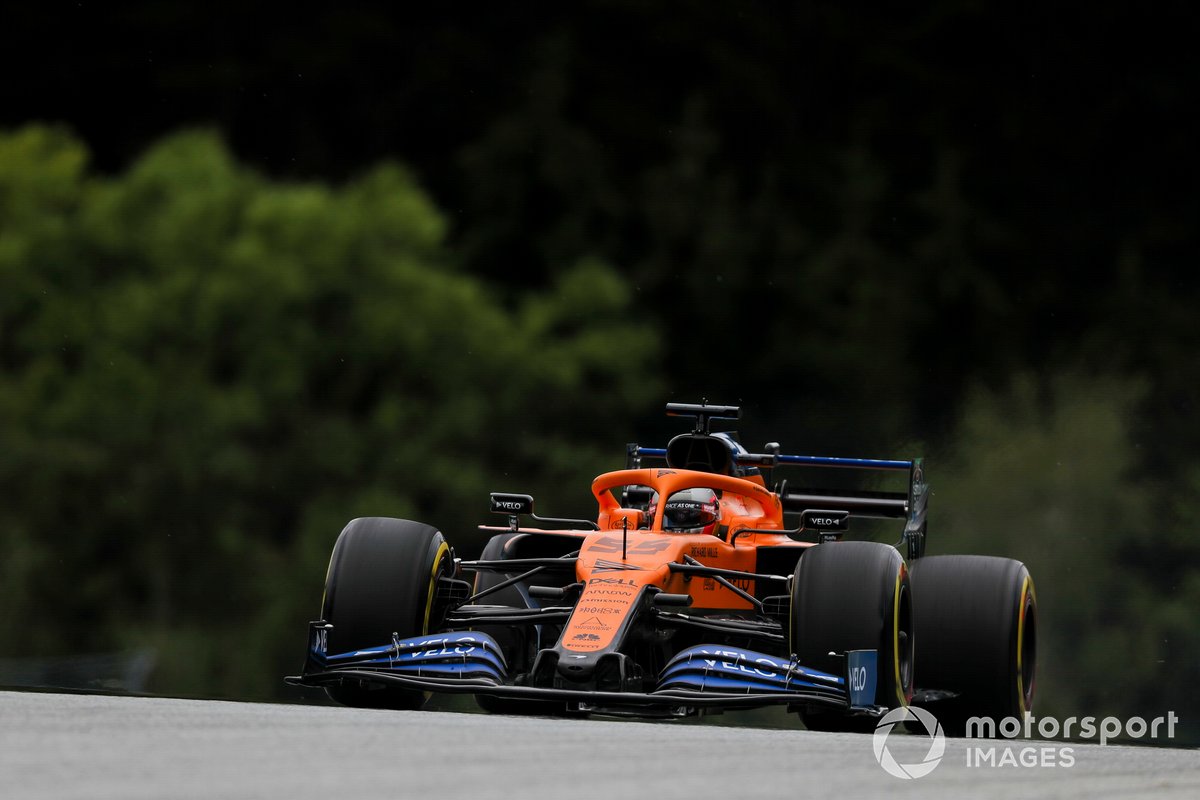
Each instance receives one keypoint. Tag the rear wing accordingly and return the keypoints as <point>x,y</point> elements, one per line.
<point>911,506</point>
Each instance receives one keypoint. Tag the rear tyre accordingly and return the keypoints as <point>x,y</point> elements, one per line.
<point>977,621</point>
<point>854,596</point>
<point>382,580</point>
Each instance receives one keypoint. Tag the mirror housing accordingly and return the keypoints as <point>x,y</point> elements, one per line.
<point>823,520</point>
<point>511,504</point>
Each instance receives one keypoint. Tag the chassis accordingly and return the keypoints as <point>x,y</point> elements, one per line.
<point>619,616</point>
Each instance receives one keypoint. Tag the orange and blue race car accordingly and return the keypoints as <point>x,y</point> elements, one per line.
<point>702,584</point>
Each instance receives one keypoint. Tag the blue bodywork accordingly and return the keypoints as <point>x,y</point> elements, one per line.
<point>473,661</point>
<point>728,669</point>
<point>463,654</point>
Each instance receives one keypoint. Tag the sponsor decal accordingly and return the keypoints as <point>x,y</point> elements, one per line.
<point>585,637</point>
<point>613,566</point>
<point>597,609</point>
<point>320,641</point>
<point>594,624</point>
<point>737,662</point>
<point>612,582</point>
<point>745,584</point>
<point>442,647</point>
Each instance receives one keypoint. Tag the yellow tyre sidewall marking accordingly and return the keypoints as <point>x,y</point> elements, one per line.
<point>1026,592</point>
<point>901,696</point>
<point>437,561</point>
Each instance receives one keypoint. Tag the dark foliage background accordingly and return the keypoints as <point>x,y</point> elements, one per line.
<point>261,272</point>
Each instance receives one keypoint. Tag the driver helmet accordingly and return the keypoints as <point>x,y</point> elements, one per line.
<point>692,511</point>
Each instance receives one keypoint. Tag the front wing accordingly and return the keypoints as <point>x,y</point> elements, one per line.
<point>702,677</point>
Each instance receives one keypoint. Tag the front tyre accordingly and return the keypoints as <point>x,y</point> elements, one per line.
<point>382,580</point>
<point>854,596</point>
<point>512,639</point>
<point>977,617</point>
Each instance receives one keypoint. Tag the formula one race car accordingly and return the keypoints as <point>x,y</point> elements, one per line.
<point>689,592</point>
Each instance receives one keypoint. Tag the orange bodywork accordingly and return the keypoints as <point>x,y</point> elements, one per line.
<point>630,552</point>
<point>686,591</point>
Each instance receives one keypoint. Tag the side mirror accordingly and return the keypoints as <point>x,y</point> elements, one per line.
<point>511,504</point>
<point>514,505</point>
<point>819,520</point>
<point>829,525</point>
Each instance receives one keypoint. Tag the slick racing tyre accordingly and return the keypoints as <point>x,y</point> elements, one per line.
<point>976,620</point>
<point>854,596</point>
<point>514,595</point>
<point>382,580</point>
<point>512,639</point>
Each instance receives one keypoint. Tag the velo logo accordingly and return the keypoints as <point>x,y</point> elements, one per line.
<point>917,769</point>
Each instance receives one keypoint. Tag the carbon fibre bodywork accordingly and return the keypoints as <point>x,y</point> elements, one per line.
<point>623,615</point>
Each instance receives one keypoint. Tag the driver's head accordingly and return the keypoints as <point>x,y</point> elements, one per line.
<point>692,511</point>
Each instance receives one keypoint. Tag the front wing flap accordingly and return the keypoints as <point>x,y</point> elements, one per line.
<point>471,662</point>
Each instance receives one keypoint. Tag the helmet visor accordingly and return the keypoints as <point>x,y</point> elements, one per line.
<point>688,515</point>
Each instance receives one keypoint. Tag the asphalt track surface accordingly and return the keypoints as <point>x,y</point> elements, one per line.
<point>89,746</point>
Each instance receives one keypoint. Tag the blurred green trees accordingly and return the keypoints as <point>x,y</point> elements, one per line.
<point>205,374</point>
